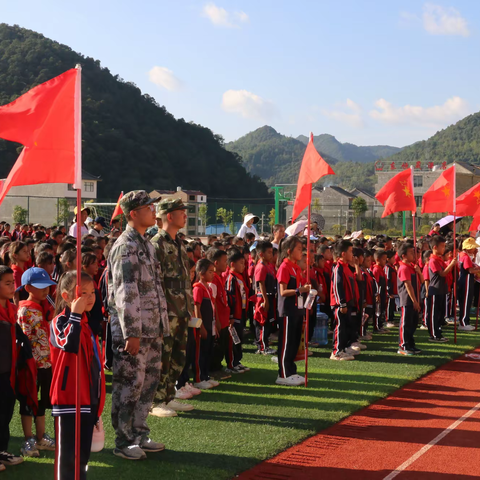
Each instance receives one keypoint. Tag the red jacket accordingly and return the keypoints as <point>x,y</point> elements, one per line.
<point>221,303</point>
<point>68,331</point>
<point>237,299</point>
<point>343,290</point>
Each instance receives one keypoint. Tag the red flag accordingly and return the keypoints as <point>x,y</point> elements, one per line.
<point>440,196</point>
<point>397,194</point>
<point>118,209</point>
<point>313,168</point>
<point>47,122</point>
<point>475,226</point>
<point>469,202</point>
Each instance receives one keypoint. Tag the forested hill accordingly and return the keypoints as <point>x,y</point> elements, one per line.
<point>128,139</point>
<point>348,152</point>
<point>459,142</point>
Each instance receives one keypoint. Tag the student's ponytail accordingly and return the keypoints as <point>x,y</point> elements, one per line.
<point>13,249</point>
<point>286,245</point>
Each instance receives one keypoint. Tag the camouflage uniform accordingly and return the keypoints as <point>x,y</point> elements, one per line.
<point>137,309</point>
<point>172,255</point>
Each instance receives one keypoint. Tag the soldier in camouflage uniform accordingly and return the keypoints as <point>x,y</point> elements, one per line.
<point>138,316</point>
<point>172,255</point>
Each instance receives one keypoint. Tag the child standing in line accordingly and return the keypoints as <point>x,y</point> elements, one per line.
<point>408,272</point>
<point>465,284</point>
<point>392,291</point>
<point>378,271</point>
<point>424,288</point>
<point>71,336</point>
<point>447,258</point>
<point>437,289</point>
<point>265,296</point>
<point>36,283</point>
<point>8,321</point>
<point>205,310</point>
<point>237,295</point>
<point>370,294</point>
<point>290,309</point>
<point>18,258</point>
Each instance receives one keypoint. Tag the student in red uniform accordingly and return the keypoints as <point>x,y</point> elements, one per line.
<point>222,313</point>
<point>437,289</point>
<point>8,320</point>
<point>290,309</point>
<point>392,291</point>
<point>205,309</point>
<point>18,256</point>
<point>408,274</point>
<point>265,305</point>
<point>237,295</point>
<point>378,271</point>
<point>424,288</point>
<point>342,299</point>
<point>370,294</point>
<point>447,258</point>
<point>72,337</point>
<point>465,284</point>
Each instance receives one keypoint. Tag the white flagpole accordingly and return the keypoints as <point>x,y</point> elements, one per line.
<point>455,253</point>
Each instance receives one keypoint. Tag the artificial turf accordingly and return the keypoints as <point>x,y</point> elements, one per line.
<point>248,418</point>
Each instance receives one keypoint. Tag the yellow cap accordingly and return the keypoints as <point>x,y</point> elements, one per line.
<point>469,244</point>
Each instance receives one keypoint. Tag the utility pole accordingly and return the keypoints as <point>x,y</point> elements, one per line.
<point>263,217</point>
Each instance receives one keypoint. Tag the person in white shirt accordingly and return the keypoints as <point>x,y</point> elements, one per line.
<point>98,225</point>
<point>278,235</point>
<point>83,217</point>
<point>249,220</point>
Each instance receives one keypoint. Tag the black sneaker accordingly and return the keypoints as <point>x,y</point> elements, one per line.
<point>416,350</point>
<point>9,459</point>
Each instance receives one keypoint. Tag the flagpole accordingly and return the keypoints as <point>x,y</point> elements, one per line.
<point>414,224</point>
<point>455,253</point>
<point>78,186</point>
<point>307,311</point>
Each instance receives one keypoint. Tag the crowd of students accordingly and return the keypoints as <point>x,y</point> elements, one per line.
<point>241,286</point>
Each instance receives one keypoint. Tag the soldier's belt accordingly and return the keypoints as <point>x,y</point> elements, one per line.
<point>172,283</point>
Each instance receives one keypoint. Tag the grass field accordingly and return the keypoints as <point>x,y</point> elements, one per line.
<point>248,418</point>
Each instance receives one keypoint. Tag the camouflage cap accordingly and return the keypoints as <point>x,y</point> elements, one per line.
<point>170,205</point>
<point>136,199</point>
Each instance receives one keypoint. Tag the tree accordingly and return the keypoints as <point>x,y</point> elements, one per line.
<point>271,218</point>
<point>19,214</point>
<point>202,214</point>
<point>63,211</point>
<point>225,216</point>
<point>359,207</point>
<point>316,207</point>
<point>244,212</point>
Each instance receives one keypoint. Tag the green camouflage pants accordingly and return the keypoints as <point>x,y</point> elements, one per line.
<point>173,359</point>
<point>134,382</point>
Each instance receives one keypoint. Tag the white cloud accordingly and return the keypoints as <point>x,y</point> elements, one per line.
<point>220,17</point>
<point>451,111</point>
<point>248,105</point>
<point>163,77</point>
<point>438,20</point>
<point>348,112</point>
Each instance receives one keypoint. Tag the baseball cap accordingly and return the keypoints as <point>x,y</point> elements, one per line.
<point>101,221</point>
<point>84,208</point>
<point>36,277</point>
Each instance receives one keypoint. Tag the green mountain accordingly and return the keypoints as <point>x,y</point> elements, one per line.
<point>329,145</point>
<point>274,157</point>
<point>459,142</point>
<point>129,140</point>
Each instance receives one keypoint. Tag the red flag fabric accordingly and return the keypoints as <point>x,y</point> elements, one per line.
<point>118,209</point>
<point>397,194</point>
<point>45,121</point>
<point>440,196</point>
<point>313,168</point>
<point>475,226</point>
<point>469,202</point>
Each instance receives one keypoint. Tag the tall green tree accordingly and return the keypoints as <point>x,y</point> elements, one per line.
<point>19,214</point>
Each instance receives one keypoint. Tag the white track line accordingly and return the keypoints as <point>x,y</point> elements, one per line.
<point>427,447</point>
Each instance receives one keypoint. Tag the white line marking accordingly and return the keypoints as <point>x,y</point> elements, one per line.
<point>427,447</point>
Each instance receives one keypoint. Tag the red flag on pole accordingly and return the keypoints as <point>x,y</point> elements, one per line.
<point>469,202</point>
<point>475,226</point>
<point>118,209</point>
<point>313,168</point>
<point>44,121</point>
<point>397,194</point>
<point>440,197</point>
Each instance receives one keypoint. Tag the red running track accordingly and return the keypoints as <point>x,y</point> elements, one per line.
<point>429,429</point>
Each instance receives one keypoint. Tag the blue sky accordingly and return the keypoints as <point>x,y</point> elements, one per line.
<point>369,72</point>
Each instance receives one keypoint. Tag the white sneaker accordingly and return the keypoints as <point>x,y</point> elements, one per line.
<point>163,411</point>
<point>466,328</point>
<point>300,378</point>
<point>213,382</point>
<point>275,359</point>
<point>355,347</point>
<point>203,385</point>
<point>183,394</point>
<point>389,325</point>
<point>351,351</point>
<point>341,356</point>
<point>291,381</point>
<point>191,389</point>
<point>361,346</point>
<point>180,407</point>
<point>423,327</point>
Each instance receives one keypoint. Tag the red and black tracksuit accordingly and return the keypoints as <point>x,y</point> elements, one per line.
<point>342,295</point>
<point>465,288</point>
<point>264,319</point>
<point>437,296</point>
<point>70,336</point>
<point>381,279</point>
<point>392,291</point>
<point>408,316</point>
<point>370,298</point>
<point>222,346</point>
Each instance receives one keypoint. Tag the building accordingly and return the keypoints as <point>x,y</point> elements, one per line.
<point>193,199</point>
<point>425,173</point>
<point>42,201</point>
